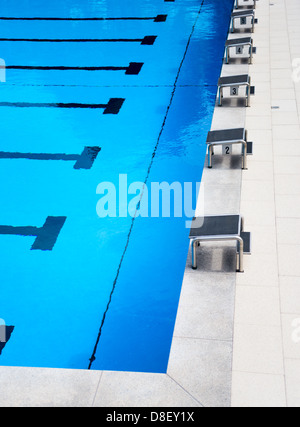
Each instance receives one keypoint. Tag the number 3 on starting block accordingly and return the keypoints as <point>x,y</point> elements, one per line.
<point>234,91</point>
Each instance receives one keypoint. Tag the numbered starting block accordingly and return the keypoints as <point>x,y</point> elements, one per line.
<point>240,45</point>
<point>222,228</point>
<point>226,139</point>
<point>244,3</point>
<point>234,83</point>
<point>246,18</point>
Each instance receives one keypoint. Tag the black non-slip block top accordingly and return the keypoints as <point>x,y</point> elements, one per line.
<point>215,226</point>
<point>242,40</point>
<point>226,135</point>
<point>243,79</point>
<point>243,13</point>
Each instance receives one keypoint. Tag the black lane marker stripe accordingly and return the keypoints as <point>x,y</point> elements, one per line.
<point>112,107</point>
<point>46,236</point>
<point>93,357</point>
<point>147,40</point>
<point>158,18</point>
<point>49,105</point>
<point>85,160</point>
<point>134,68</point>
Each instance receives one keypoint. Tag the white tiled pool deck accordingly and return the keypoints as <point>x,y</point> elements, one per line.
<point>266,351</point>
<point>236,341</point>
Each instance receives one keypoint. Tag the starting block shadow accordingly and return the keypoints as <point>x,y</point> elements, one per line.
<point>46,236</point>
<point>5,334</point>
<point>85,160</point>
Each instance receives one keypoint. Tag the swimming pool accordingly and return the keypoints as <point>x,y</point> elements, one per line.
<point>88,98</point>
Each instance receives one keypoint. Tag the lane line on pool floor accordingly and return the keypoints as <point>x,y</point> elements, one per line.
<point>158,18</point>
<point>133,68</point>
<point>112,107</point>
<point>147,40</point>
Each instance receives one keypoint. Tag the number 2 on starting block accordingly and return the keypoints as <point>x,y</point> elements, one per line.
<point>227,150</point>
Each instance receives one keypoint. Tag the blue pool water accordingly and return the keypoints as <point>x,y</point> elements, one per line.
<point>105,294</point>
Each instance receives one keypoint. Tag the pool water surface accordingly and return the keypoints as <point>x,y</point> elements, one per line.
<point>85,101</point>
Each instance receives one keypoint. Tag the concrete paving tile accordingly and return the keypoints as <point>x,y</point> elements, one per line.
<point>262,152</point>
<point>290,294</point>
<point>203,368</point>
<point>282,74</point>
<point>260,98</point>
<point>33,387</point>
<point>224,119</point>
<point>279,33</point>
<point>262,41</point>
<point>257,190</point>
<point>288,231</point>
<point>206,308</point>
<point>257,306</point>
<point>284,118</point>
<point>287,206</point>
<point>287,184</point>
<point>278,45</point>
<point>285,105</point>
<point>282,83</point>
<point>258,390</point>
<point>288,257</point>
<point>259,123</point>
<point>291,335</point>
<point>286,132</point>
<point>258,213</point>
<point>287,165</point>
<point>261,59</point>
<point>260,137</point>
<point>279,64</point>
<point>217,175</point>
<point>132,389</point>
<point>260,77</point>
<point>221,198</point>
<point>259,170</point>
<point>260,270</point>
<point>292,374</point>
<point>283,149</point>
<point>263,239</point>
<point>295,51</point>
<point>258,349</point>
<point>259,110</point>
<point>277,50</point>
